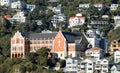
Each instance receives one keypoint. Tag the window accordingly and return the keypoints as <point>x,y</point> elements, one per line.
<point>114,45</point>
<point>20,48</point>
<point>77,55</point>
<point>114,41</point>
<point>97,66</point>
<point>61,55</point>
<point>82,68</point>
<point>50,41</point>
<point>90,63</point>
<point>104,66</point>
<point>105,61</point>
<point>14,48</point>
<point>17,40</point>
<point>104,71</point>
<point>98,62</point>
<point>89,68</point>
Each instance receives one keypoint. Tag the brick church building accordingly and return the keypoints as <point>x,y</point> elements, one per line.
<point>62,44</point>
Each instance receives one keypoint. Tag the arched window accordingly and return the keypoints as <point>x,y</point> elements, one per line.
<point>17,40</point>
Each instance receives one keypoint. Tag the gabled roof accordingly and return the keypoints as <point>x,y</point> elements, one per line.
<point>95,49</point>
<point>39,35</point>
<point>117,66</point>
<point>7,16</point>
<point>71,37</point>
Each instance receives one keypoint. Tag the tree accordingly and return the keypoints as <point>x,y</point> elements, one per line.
<point>31,57</point>
<point>42,57</point>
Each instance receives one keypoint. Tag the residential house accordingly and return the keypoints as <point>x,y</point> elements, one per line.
<point>116,18</point>
<point>94,38</point>
<point>114,45</point>
<point>7,17</point>
<point>115,69</point>
<point>101,65</point>
<point>72,65</point>
<point>38,22</point>
<point>58,18</point>
<point>86,66</point>
<point>105,16</point>
<point>92,32</point>
<point>30,7</point>
<point>84,6</point>
<point>98,24</point>
<point>57,9</point>
<point>76,20</point>
<point>18,5</point>
<point>99,6</point>
<point>114,7</point>
<point>6,2</point>
<point>116,56</point>
<point>19,17</point>
<point>62,44</point>
<point>94,53</point>
<point>116,21</point>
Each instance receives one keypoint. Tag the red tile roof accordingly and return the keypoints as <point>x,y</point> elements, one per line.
<point>95,48</point>
<point>80,17</point>
<point>7,16</point>
<point>72,17</point>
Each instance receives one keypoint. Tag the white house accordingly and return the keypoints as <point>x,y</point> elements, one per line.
<point>99,6</point>
<point>116,18</point>
<point>86,66</point>
<point>116,21</point>
<point>76,20</point>
<point>98,23</point>
<point>72,65</point>
<point>6,2</point>
<point>94,53</point>
<point>114,7</point>
<point>105,16</point>
<point>19,17</point>
<point>57,9</point>
<point>92,32</point>
<point>84,6</point>
<point>58,18</point>
<point>115,69</point>
<point>116,56</point>
<point>101,65</point>
<point>18,5</point>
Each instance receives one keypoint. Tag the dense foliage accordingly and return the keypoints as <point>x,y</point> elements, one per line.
<point>33,63</point>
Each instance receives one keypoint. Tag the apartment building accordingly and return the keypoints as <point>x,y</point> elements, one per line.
<point>19,17</point>
<point>101,65</point>
<point>84,6</point>
<point>73,65</point>
<point>114,7</point>
<point>18,5</point>
<point>86,66</point>
<point>94,53</point>
<point>6,2</point>
<point>99,6</point>
<point>116,56</point>
<point>114,45</point>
